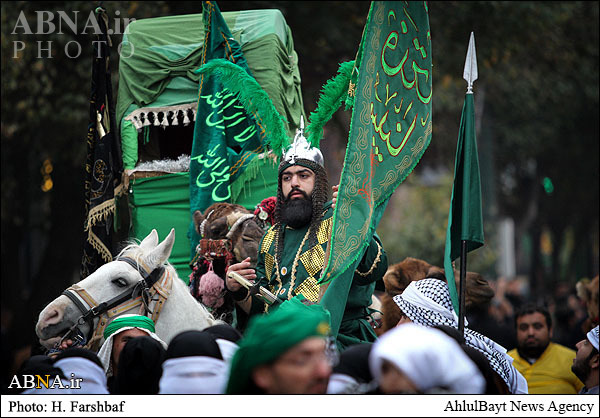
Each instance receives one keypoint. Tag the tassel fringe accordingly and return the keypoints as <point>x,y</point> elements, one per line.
<point>333,94</point>
<point>253,98</point>
<point>141,117</point>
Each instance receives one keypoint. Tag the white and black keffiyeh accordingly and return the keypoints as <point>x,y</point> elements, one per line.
<point>427,302</point>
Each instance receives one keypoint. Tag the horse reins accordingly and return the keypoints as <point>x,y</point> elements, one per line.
<point>140,290</point>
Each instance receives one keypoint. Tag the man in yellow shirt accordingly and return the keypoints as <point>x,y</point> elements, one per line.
<point>545,365</point>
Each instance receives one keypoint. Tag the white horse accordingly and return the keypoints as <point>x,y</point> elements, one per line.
<point>168,300</point>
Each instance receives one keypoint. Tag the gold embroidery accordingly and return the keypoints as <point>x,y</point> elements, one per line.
<point>309,288</point>
<point>267,240</point>
<point>269,260</point>
<point>324,231</point>
<point>313,260</point>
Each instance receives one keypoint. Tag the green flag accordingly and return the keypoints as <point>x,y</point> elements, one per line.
<point>390,130</point>
<point>226,138</point>
<point>465,222</point>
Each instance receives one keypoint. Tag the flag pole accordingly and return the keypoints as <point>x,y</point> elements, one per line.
<point>462,295</point>
<point>470,75</point>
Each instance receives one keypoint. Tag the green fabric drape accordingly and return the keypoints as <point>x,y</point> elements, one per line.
<point>389,132</point>
<point>158,203</point>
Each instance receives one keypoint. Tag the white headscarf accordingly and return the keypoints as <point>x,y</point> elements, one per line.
<point>429,358</point>
<point>427,302</point>
<point>592,336</point>
<point>105,352</point>
<point>194,375</point>
<point>93,383</point>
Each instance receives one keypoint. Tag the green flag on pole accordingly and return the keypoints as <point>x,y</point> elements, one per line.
<point>465,221</point>
<point>390,130</point>
<point>226,138</point>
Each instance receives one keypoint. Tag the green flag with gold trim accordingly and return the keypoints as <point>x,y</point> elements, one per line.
<point>389,132</point>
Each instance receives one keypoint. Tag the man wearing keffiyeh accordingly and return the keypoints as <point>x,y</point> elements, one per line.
<point>427,302</point>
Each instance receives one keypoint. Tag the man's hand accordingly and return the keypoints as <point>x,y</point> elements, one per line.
<point>243,269</point>
<point>335,195</point>
<point>63,346</point>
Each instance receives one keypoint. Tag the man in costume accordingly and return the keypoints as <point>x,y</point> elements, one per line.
<point>284,352</point>
<point>545,365</point>
<point>292,252</point>
<point>585,364</point>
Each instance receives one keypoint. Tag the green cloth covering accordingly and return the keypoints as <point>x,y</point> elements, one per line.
<point>269,336</point>
<point>355,325</point>
<point>129,144</point>
<point>390,130</point>
<point>465,220</point>
<point>137,321</point>
<point>170,47</point>
<point>163,203</point>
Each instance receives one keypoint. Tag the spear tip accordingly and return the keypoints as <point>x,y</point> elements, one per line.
<point>470,71</point>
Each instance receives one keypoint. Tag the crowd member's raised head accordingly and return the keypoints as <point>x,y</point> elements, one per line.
<point>118,333</point>
<point>140,367</point>
<point>194,364</point>
<point>284,352</point>
<point>585,364</point>
<point>427,302</point>
<point>415,359</point>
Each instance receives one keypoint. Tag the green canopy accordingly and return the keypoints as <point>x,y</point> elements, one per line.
<point>159,56</point>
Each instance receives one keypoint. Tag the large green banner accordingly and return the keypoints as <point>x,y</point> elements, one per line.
<point>226,139</point>
<point>390,130</point>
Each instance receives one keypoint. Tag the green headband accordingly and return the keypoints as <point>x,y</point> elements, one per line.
<point>269,336</point>
<point>134,321</point>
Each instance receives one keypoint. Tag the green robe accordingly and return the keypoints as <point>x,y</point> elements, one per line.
<point>355,327</point>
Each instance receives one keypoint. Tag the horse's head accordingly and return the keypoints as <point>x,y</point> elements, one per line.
<point>108,281</point>
<point>245,235</point>
<point>398,276</point>
<point>233,222</point>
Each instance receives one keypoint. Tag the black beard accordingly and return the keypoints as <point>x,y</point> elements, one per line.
<point>532,352</point>
<point>296,213</point>
<point>581,371</point>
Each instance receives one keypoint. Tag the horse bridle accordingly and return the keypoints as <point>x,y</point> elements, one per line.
<point>141,289</point>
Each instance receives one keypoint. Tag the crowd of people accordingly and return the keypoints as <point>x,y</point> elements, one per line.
<point>291,351</point>
<point>292,345</point>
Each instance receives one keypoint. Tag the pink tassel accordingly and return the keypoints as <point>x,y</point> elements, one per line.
<point>211,288</point>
